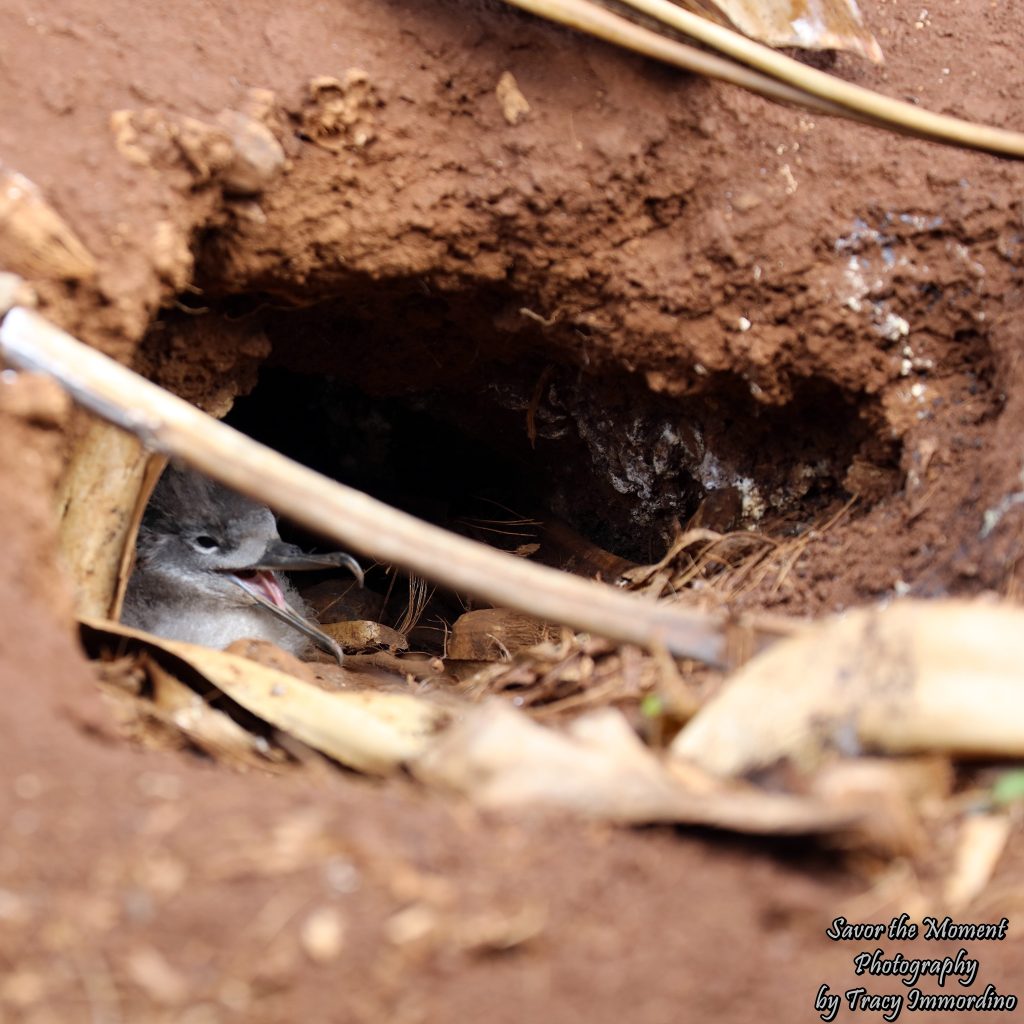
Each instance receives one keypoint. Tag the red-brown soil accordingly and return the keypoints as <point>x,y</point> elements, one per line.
<point>823,309</point>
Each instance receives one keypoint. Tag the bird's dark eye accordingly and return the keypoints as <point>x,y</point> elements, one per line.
<point>206,543</point>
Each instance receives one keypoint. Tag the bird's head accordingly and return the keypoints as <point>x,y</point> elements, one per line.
<point>200,531</point>
<point>209,538</point>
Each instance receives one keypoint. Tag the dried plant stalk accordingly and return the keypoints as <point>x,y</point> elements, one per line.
<point>604,24</point>
<point>34,238</point>
<point>776,77</point>
<point>883,110</point>
<point>911,677</point>
<point>98,496</point>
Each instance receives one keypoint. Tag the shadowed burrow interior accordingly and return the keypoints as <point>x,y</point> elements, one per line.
<point>419,400</point>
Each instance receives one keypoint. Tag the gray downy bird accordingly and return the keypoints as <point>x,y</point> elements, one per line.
<point>207,570</point>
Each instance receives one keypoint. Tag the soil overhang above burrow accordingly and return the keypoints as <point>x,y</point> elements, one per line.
<point>422,398</point>
<point>615,340</point>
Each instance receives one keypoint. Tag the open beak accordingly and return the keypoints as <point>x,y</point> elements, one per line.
<point>264,589</point>
<point>260,583</point>
<point>283,557</point>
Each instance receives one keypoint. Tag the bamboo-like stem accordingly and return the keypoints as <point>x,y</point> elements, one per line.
<point>867,103</point>
<point>613,28</point>
<point>168,424</point>
<point>101,479</point>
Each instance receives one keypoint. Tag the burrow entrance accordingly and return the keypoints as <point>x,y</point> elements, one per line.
<point>419,400</point>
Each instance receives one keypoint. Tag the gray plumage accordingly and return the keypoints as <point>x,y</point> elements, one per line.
<point>198,559</point>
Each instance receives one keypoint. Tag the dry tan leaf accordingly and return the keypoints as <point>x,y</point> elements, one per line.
<point>981,842</point>
<point>499,757</point>
<point>913,677</point>
<point>808,24</point>
<point>373,732</point>
<point>494,634</point>
<point>34,239</point>
<point>210,729</point>
<point>365,634</point>
<point>890,796</point>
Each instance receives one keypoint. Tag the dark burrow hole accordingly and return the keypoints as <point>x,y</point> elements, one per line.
<point>507,441</point>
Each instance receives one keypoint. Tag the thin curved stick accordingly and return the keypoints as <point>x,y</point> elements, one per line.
<point>613,28</point>
<point>170,425</point>
<point>865,102</point>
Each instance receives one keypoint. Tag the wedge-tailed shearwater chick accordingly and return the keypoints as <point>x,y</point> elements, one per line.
<point>206,570</point>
